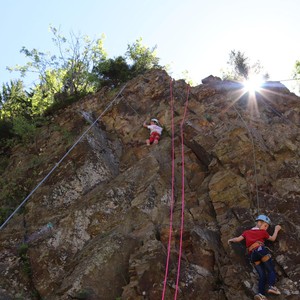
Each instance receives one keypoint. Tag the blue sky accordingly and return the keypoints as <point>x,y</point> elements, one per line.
<point>192,35</point>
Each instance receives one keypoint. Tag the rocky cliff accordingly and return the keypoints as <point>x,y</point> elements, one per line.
<point>98,227</point>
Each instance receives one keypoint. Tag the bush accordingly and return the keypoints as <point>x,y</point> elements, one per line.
<point>62,100</point>
<point>24,129</point>
<point>5,129</point>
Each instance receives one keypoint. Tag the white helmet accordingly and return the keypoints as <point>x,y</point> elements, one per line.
<point>155,121</point>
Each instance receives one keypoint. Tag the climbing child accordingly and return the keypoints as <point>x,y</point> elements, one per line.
<point>155,131</point>
<point>260,255</point>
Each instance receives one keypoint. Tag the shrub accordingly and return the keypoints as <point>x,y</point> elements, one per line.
<point>24,129</point>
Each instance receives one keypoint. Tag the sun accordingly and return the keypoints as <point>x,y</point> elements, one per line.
<point>253,84</point>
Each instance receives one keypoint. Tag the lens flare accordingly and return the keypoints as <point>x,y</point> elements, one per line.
<point>252,85</point>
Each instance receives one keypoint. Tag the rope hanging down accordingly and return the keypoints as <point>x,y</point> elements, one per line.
<point>182,190</point>
<point>172,192</point>
<point>172,188</point>
<point>60,161</point>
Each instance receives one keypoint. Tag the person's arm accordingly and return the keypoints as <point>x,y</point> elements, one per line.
<point>236,239</point>
<point>273,237</point>
<point>145,125</point>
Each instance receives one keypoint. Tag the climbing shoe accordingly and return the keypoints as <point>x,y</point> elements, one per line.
<point>260,297</point>
<point>273,290</point>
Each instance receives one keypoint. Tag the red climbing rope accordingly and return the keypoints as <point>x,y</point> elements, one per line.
<point>182,191</point>
<point>172,188</point>
<point>172,191</point>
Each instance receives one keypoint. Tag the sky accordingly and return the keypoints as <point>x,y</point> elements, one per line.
<point>192,35</point>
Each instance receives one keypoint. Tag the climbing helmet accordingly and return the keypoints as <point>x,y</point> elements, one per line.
<point>263,218</point>
<point>155,121</point>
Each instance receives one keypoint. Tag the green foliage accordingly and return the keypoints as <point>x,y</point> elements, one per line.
<point>187,78</point>
<point>69,71</point>
<point>241,68</point>
<point>112,72</point>
<point>78,67</point>
<point>137,60</point>
<point>14,100</point>
<point>5,130</point>
<point>296,74</point>
<point>297,69</point>
<point>142,57</point>
<point>4,213</point>
<point>22,251</point>
<point>61,100</point>
<point>240,64</point>
<point>11,192</point>
<point>24,129</point>
<point>4,161</point>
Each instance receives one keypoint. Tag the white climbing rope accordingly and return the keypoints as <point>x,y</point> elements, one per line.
<point>60,161</point>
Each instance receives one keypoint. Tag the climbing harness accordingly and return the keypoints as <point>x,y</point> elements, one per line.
<point>172,192</point>
<point>60,161</point>
<point>263,259</point>
<point>258,246</point>
<point>254,246</point>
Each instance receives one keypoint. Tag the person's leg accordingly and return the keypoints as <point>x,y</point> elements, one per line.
<point>271,271</point>
<point>269,266</point>
<point>156,137</point>
<point>150,140</point>
<point>262,278</point>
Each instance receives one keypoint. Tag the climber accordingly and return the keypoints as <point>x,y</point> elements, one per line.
<point>260,255</point>
<point>155,131</point>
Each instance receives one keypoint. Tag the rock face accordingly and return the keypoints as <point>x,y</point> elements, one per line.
<point>108,202</point>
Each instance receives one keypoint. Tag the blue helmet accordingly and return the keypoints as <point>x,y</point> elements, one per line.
<point>263,218</point>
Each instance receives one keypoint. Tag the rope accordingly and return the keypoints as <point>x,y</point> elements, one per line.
<point>182,192</point>
<point>130,105</point>
<point>172,189</point>
<point>291,79</point>
<point>279,114</point>
<point>254,157</point>
<point>60,161</point>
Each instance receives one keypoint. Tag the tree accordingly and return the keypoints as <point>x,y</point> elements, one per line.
<point>240,64</point>
<point>113,72</point>
<point>24,129</point>
<point>241,69</point>
<point>69,71</point>
<point>79,66</point>
<point>187,78</point>
<point>296,74</point>
<point>142,57</point>
<point>14,100</point>
<point>137,60</point>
